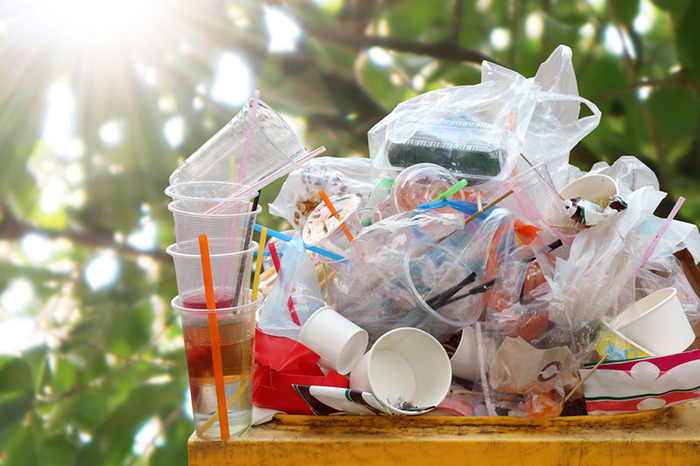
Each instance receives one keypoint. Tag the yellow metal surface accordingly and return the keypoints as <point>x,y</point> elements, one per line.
<point>668,436</point>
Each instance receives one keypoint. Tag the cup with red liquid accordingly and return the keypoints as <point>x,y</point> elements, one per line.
<point>236,328</point>
<point>230,273</point>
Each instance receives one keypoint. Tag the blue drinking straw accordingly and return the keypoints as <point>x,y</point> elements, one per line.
<point>317,250</point>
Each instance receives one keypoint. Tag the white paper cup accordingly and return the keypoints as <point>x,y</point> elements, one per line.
<point>593,188</point>
<point>465,363</point>
<point>404,365</point>
<point>338,341</point>
<point>657,322</point>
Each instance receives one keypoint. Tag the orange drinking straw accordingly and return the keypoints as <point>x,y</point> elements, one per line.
<point>214,337</point>
<point>278,267</point>
<point>334,213</point>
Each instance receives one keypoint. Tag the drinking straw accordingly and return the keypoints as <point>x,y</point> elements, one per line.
<point>334,213</point>
<point>602,360</point>
<point>249,233</point>
<point>214,337</point>
<point>278,267</point>
<point>478,201</point>
<point>472,291</point>
<point>488,206</point>
<point>447,194</point>
<point>229,403</point>
<point>258,263</point>
<point>317,250</point>
<point>439,300</point>
<point>663,229</point>
<point>539,215</point>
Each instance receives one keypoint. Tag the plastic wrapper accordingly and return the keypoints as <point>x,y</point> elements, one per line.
<point>298,279</point>
<point>473,131</point>
<point>299,196</point>
<point>396,267</point>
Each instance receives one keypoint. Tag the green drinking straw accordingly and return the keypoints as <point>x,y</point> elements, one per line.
<point>451,191</point>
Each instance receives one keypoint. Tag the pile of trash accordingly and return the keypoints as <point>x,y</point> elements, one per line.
<point>467,268</point>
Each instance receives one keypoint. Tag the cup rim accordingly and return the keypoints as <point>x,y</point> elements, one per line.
<point>607,328</point>
<point>170,193</point>
<point>402,174</point>
<point>171,250</point>
<point>625,323</point>
<point>343,220</point>
<point>178,211</point>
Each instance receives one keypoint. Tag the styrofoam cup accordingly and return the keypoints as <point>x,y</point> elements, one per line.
<point>657,322</point>
<point>405,365</point>
<point>465,362</point>
<point>593,188</point>
<point>338,341</point>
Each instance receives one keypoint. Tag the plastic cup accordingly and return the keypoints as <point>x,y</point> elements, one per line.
<point>189,275</point>
<point>339,342</point>
<point>657,322</point>
<point>324,230</point>
<point>593,188</point>
<point>210,197</point>
<point>189,225</point>
<point>406,370</point>
<point>420,184</point>
<point>249,150</point>
<point>617,346</point>
<point>237,335</point>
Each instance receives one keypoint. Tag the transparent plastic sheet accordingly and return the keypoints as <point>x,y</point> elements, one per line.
<point>519,379</point>
<point>298,280</point>
<point>395,264</point>
<point>298,196</point>
<point>555,127</point>
<point>473,131</point>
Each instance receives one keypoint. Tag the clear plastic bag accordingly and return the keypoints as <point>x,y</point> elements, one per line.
<point>473,131</point>
<point>298,280</point>
<point>397,272</point>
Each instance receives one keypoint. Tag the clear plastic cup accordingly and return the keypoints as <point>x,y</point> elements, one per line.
<point>420,184</point>
<point>190,277</point>
<point>236,327</point>
<point>210,197</point>
<point>237,228</point>
<point>254,148</point>
<point>324,230</point>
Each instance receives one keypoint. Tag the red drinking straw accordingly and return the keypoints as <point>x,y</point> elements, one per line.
<point>214,337</point>
<point>278,267</point>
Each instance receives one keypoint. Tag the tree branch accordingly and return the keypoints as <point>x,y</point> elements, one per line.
<point>456,23</point>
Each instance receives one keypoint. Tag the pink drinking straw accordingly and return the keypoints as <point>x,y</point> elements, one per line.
<point>241,178</point>
<point>662,230</point>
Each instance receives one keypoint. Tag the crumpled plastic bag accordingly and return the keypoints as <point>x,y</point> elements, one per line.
<point>475,131</point>
<point>555,127</point>
<point>298,196</point>
<point>298,279</point>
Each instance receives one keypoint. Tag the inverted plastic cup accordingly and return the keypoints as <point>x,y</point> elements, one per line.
<point>255,147</point>
<point>617,346</point>
<point>420,184</point>
<point>190,278</point>
<point>657,322</point>
<point>407,371</point>
<point>339,342</point>
<point>236,327</point>
<point>593,188</point>
<point>238,226</point>
<point>210,197</point>
<point>323,229</point>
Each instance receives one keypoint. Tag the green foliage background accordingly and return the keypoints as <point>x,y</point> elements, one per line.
<point>110,360</point>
